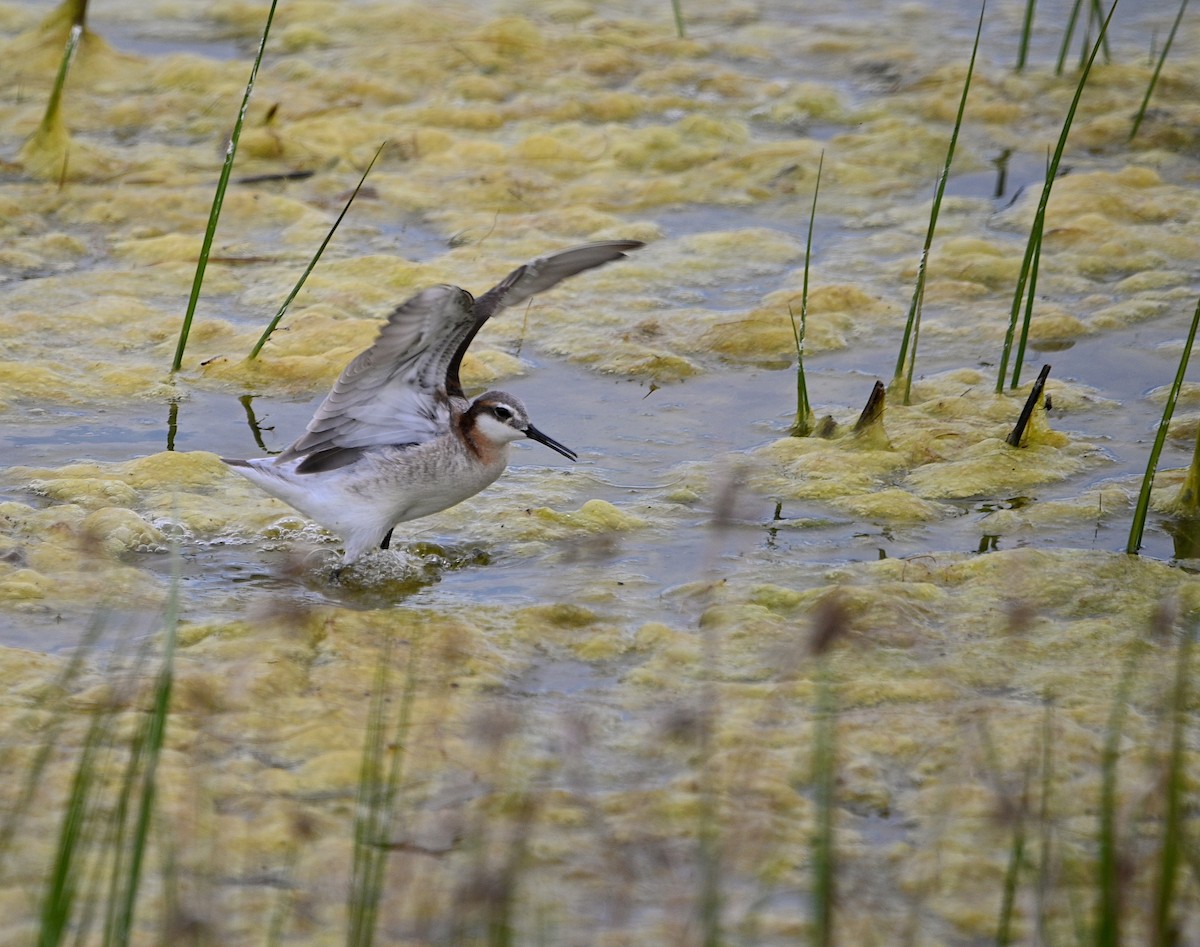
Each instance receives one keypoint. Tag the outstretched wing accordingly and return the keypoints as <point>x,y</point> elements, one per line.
<point>525,281</point>
<point>394,393</point>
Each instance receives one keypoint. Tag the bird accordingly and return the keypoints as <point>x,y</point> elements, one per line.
<point>397,438</point>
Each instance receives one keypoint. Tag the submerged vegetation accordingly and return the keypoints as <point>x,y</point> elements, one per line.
<point>779,744</point>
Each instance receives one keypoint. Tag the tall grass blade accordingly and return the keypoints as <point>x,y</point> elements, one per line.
<point>46,151</point>
<point>1026,32</point>
<point>219,197</point>
<point>376,807</point>
<point>1065,47</point>
<point>1033,247</point>
<point>1142,508</point>
<point>1108,907</point>
<point>313,262</point>
<point>1141,112</point>
<point>831,621</point>
<point>62,882</point>
<point>677,9</point>
<point>908,345</point>
<point>34,773</point>
<point>139,790</point>
<point>1188,504</point>
<point>825,775</point>
<point>1097,16</point>
<point>1030,296</point>
<point>802,425</point>
<point>1164,932</point>
<point>1045,832</point>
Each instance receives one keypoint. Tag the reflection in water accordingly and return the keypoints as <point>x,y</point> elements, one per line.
<point>256,429</point>
<point>1001,164</point>
<point>172,422</point>
<point>1185,535</point>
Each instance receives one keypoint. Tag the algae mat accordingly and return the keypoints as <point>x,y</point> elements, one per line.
<point>606,684</point>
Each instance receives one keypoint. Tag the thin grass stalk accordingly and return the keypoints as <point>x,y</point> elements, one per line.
<point>1188,504</point>
<point>219,197</point>
<point>1016,857</point>
<point>677,9</point>
<point>144,789</point>
<point>1065,47</point>
<point>1045,833</point>
<point>1030,298</point>
<point>58,902</point>
<point>912,325</point>
<point>802,425</point>
<point>1097,15</point>
<point>33,774</point>
<point>1108,907</point>
<point>1142,508</point>
<point>825,776</point>
<point>710,906</point>
<point>375,809</point>
<point>1164,932</point>
<point>54,104</point>
<point>313,262</point>
<point>1033,247</point>
<point>1141,112</point>
<point>1026,32</point>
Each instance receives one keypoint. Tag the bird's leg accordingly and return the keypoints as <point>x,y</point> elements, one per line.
<point>387,540</point>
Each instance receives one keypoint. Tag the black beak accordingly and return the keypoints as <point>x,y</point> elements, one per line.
<point>535,435</point>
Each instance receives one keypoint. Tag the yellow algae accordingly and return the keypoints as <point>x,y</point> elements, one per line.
<point>893,505</point>
<point>88,493</point>
<point>594,516</point>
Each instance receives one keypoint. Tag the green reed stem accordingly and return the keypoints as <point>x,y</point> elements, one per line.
<point>912,327</point>
<point>262,340</point>
<point>1097,15</point>
<point>1142,508</point>
<point>1016,857</point>
<point>825,777</point>
<point>376,811</point>
<point>1034,245</point>
<point>1026,32</point>
<point>60,80</point>
<point>33,776</point>
<point>62,882</point>
<point>1141,112</point>
<point>1030,296</point>
<point>219,197</point>
<point>1065,47</point>
<point>1169,863</point>
<point>1188,504</point>
<point>677,9</point>
<point>1108,907</point>
<point>1045,832</point>
<point>139,790</point>
<point>802,425</point>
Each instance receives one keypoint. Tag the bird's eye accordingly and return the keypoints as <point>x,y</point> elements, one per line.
<point>503,413</point>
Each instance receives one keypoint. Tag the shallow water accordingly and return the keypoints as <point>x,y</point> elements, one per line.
<point>617,637</point>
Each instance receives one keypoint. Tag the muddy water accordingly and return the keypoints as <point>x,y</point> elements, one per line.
<point>623,639</point>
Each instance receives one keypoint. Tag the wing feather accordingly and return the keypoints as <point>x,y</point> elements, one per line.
<point>394,392</point>
<point>398,392</point>
<point>531,278</point>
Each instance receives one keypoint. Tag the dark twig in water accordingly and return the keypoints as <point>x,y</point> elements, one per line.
<point>1035,394</point>
<point>873,411</point>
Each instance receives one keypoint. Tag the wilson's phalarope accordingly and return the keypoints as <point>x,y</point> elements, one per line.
<point>397,439</point>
